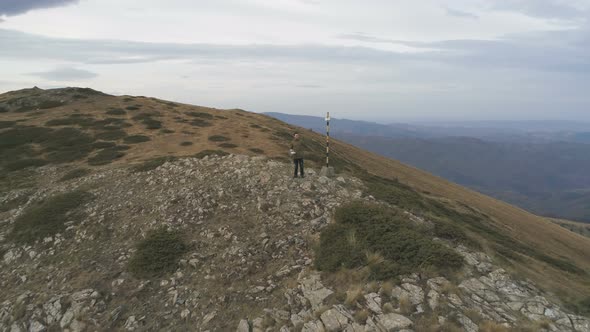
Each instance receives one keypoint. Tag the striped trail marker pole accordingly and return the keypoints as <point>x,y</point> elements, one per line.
<point>328,139</point>
<point>327,170</point>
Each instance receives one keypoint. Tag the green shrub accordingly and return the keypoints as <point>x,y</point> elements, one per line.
<point>133,108</point>
<point>111,135</point>
<point>152,124</point>
<point>50,104</point>
<point>227,145</point>
<point>167,131</point>
<point>106,156</point>
<point>151,164</point>
<point>14,203</point>
<point>103,145</point>
<point>157,254</point>
<point>3,109</point>
<point>218,138</point>
<point>200,123</point>
<point>7,124</point>
<point>116,111</point>
<point>257,150</point>
<point>201,115</point>
<point>136,139</point>
<point>47,217</point>
<point>24,163</point>
<point>366,228</point>
<point>75,173</point>
<point>186,143</point>
<point>205,153</point>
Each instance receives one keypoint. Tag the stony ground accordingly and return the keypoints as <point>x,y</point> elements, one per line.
<point>251,229</point>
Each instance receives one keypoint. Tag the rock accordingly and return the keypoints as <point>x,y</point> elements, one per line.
<point>208,317</point>
<point>313,326</point>
<point>131,324</point>
<point>314,291</point>
<point>185,313</point>
<point>415,293</point>
<point>433,299</point>
<point>334,320</point>
<point>467,323</point>
<point>243,326</point>
<point>437,284</point>
<point>67,318</point>
<point>35,326</point>
<point>392,322</point>
<point>373,302</point>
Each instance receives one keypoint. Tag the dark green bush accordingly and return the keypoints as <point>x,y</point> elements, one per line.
<point>24,163</point>
<point>116,111</point>
<point>257,150</point>
<point>75,173</point>
<point>201,115</point>
<point>205,153</point>
<point>366,228</point>
<point>136,139</point>
<point>227,145</point>
<point>47,217</point>
<point>186,143</point>
<point>103,145</point>
<point>200,123</point>
<point>50,104</point>
<point>157,254</point>
<point>105,156</point>
<point>218,138</point>
<point>14,203</point>
<point>152,124</point>
<point>3,109</point>
<point>133,108</point>
<point>167,131</point>
<point>151,164</point>
<point>7,124</point>
<point>111,135</point>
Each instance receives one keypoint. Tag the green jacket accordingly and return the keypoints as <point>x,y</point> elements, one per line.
<point>299,147</point>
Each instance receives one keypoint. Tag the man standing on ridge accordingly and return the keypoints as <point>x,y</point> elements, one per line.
<point>297,153</point>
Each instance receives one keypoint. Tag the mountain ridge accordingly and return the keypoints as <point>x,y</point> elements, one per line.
<point>147,147</point>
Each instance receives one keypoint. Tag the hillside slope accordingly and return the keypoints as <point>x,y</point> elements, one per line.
<point>129,165</point>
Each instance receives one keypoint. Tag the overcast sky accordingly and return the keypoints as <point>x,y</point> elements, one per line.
<point>381,60</point>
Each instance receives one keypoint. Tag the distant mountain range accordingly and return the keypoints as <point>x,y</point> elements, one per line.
<point>545,170</point>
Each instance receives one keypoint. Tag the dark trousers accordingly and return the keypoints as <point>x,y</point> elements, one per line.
<point>299,165</point>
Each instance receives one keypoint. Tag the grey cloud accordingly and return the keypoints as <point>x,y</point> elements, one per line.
<point>309,86</point>
<point>65,74</point>
<point>15,7</point>
<point>460,13</point>
<point>540,8</point>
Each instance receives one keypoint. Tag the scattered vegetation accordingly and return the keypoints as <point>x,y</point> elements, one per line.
<point>362,228</point>
<point>218,138</point>
<point>151,164</point>
<point>157,254</point>
<point>24,163</point>
<point>106,156</point>
<point>103,145</point>
<point>47,217</point>
<point>186,143</point>
<point>75,173</point>
<point>111,135</point>
<point>116,111</point>
<point>200,123</point>
<point>133,108</point>
<point>7,124</point>
<point>257,150</point>
<point>227,145</point>
<point>14,203</point>
<point>205,153</point>
<point>167,131</point>
<point>136,139</point>
<point>201,115</point>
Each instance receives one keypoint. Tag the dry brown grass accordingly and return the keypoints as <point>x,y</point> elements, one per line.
<point>386,289</point>
<point>361,316</point>
<point>489,326</point>
<point>405,305</point>
<point>354,295</point>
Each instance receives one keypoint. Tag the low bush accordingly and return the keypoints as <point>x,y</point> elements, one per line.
<point>106,156</point>
<point>50,104</point>
<point>218,138</point>
<point>362,228</point>
<point>201,115</point>
<point>152,124</point>
<point>186,143</point>
<point>75,173</point>
<point>103,145</point>
<point>47,217</point>
<point>136,139</point>
<point>157,254</point>
<point>111,135</point>
<point>200,123</point>
<point>257,150</point>
<point>133,108</point>
<point>151,164</point>
<point>116,111</point>
<point>227,145</point>
<point>7,124</point>
<point>14,203</point>
<point>167,131</point>
<point>205,153</point>
<point>24,163</point>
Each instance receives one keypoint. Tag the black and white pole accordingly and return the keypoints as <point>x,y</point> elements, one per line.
<point>328,139</point>
<point>327,170</point>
